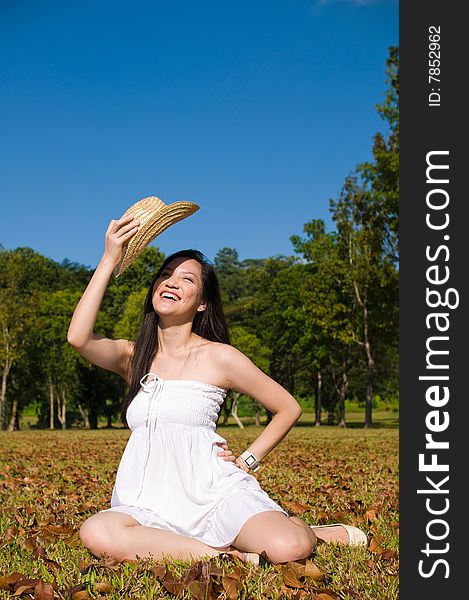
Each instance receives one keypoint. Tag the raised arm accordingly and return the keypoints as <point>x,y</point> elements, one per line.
<point>99,350</point>
<point>243,376</point>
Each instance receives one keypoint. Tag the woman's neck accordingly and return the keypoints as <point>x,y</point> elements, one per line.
<point>175,339</point>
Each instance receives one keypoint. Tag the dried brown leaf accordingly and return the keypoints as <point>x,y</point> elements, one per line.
<point>173,586</point>
<point>62,529</point>
<point>84,567</point>
<point>371,514</point>
<point>375,546</point>
<point>388,555</point>
<point>159,571</point>
<point>86,506</point>
<point>30,544</point>
<point>312,571</point>
<point>303,595</point>
<point>45,541</point>
<point>231,587</point>
<point>43,591</point>
<point>295,507</point>
<point>72,590</point>
<point>215,570</point>
<point>14,577</point>
<point>11,533</point>
<point>81,595</point>
<point>202,590</point>
<point>51,564</point>
<point>23,589</point>
<point>109,562</point>
<point>39,551</point>
<point>104,587</point>
<point>290,577</point>
<point>26,582</point>
<point>194,572</point>
<point>236,573</point>
<point>325,594</point>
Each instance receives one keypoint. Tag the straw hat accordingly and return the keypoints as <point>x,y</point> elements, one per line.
<point>155,216</point>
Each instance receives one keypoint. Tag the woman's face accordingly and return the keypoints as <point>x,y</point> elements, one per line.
<point>178,290</point>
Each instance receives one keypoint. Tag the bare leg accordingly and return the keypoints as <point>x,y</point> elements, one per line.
<point>119,535</point>
<point>282,538</point>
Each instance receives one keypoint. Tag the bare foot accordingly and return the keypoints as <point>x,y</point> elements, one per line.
<point>336,533</point>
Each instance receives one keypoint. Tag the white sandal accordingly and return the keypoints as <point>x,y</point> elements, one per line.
<point>356,537</point>
<point>252,558</point>
<point>249,557</point>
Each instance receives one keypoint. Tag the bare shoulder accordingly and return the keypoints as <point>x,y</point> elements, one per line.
<point>230,364</point>
<point>215,360</point>
<point>222,354</point>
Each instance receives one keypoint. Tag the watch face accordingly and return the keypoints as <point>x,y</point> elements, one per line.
<point>250,460</point>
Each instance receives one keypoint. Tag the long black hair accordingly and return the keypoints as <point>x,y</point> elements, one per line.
<point>209,323</point>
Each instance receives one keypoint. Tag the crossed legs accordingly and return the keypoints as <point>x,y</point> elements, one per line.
<point>119,535</point>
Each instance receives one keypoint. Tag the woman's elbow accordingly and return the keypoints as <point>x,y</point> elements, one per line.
<point>294,412</point>
<point>73,341</point>
<point>297,412</point>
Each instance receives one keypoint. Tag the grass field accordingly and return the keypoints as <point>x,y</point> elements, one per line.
<point>50,481</point>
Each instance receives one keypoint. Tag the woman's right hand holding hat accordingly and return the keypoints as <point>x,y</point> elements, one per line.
<point>119,233</point>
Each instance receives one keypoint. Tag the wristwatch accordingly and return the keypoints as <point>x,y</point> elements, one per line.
<point>250,460</point>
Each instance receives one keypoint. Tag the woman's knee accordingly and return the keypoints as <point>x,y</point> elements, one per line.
<point>96,535</point>
<point>290,546</point>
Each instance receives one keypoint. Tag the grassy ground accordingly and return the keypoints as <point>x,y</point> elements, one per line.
<point>50,481</point>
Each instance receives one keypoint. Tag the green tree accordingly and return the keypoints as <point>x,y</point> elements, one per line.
<point>23,274</point>
<point>58,359</point>
<point>382,174</point>
<point>328,338</point>
<point>231,277</point>
<point>250,345</point>
<point>366,214</point>
<point>274,313</point>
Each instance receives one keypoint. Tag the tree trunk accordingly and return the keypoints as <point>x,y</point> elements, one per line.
<point>3,397</point>
<point>51,405</point>
<point>226,408</point>
<point>84,415</point>
<point>93,419</point>
<point>369,371</point>
<point>234,409</point>
<point>363,302</point>
<point>258,417</point>
<point>62,408</point>
<point>318,400</point>
<point>14,425</point>
<point>342,393</point>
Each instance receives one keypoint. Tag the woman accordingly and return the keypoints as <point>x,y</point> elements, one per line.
<point>176,494</point>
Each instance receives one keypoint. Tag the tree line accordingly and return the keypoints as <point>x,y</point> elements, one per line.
<point>322,322</point>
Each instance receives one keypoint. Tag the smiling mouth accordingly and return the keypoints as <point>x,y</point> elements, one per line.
<point>170,296</point>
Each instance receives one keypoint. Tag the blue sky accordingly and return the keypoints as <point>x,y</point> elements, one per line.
<point>256,110</point>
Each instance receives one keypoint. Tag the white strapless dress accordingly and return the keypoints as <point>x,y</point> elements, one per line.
<point>170,475</point>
